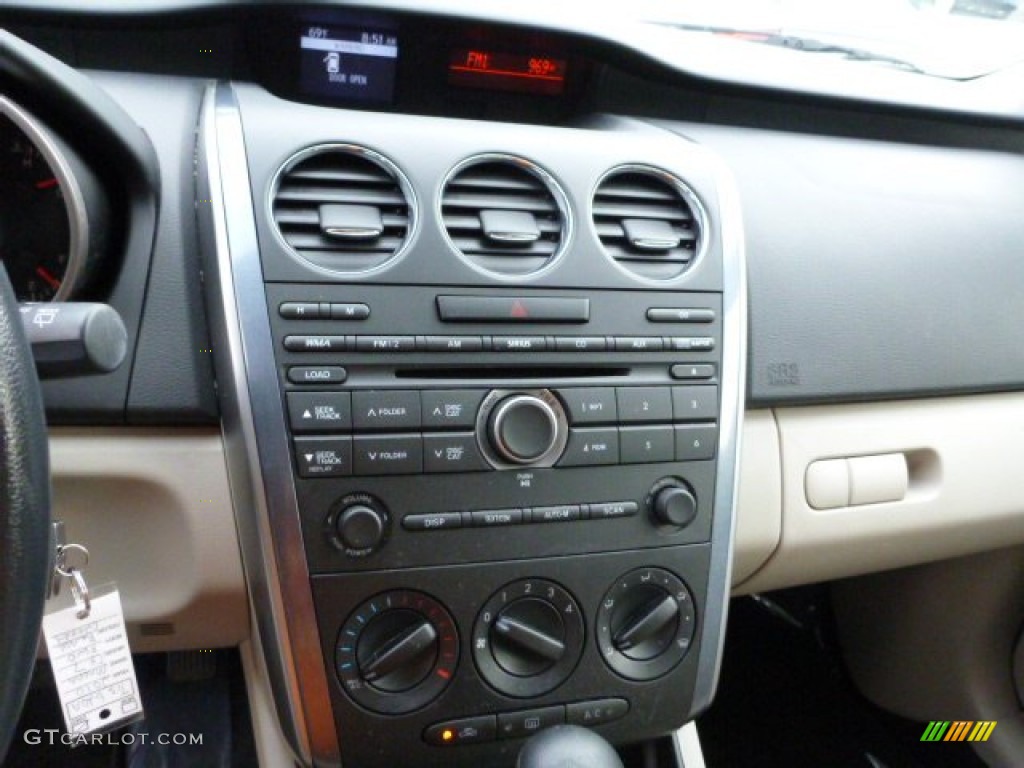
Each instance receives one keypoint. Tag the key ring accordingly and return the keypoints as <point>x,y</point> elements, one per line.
<point>80,592</point>
<point>62,558</point>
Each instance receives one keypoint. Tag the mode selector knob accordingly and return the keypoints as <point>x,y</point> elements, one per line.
<point>523,428</point>
<point>674,504</point>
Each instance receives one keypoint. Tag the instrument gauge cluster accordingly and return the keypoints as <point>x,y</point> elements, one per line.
<point>52,211</point>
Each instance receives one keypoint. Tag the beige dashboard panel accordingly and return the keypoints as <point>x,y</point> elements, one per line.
<point>154,510</point>
<point>961,493</point>
<point>759,503</point>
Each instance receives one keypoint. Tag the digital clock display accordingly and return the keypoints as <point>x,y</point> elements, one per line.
<point>495,70</point>
<point>350,62</point>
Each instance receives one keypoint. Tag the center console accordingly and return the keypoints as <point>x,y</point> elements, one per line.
<point>481,388</point>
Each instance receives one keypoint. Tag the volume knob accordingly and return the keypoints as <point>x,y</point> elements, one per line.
<point>522,428</point>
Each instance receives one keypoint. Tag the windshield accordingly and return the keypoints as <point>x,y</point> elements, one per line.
<point>956,39</point>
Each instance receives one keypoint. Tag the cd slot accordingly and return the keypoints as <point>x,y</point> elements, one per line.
<point>502,373</point>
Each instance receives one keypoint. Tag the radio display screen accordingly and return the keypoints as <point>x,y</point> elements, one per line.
<point>523,72</point>
<point>349,62</point>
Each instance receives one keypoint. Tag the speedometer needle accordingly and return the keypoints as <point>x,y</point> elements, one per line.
<point>52,281</point>
<point>46,183</point>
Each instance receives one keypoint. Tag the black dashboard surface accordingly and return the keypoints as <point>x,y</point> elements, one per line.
<point>884,243</point>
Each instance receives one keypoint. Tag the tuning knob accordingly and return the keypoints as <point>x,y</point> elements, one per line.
<point>522,428</point>
<point>673,504</point>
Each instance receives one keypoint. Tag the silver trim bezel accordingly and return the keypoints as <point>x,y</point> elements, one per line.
<point>256,441</point>
<point>546,178</point>
<point>74,200</point>
<point>411,200</point>
<point>690,197</point>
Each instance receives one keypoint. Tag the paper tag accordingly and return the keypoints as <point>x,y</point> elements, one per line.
<point>92,665</point>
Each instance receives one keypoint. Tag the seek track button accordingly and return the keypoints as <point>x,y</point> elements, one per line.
<point>319,411</point>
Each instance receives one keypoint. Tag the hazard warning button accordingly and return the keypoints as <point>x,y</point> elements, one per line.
<point>513,309</point>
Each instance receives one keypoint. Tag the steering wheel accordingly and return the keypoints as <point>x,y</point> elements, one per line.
<point>25,547</point>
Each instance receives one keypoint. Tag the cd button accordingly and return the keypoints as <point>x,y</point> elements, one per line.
<point>580,343</point>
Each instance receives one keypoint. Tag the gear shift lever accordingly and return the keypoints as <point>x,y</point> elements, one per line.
<point>568,746</point>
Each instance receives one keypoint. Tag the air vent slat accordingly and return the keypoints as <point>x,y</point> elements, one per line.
<point>324,194</point>
<point>503,186</point>
<point>456,222</point>
<point>644,210</point>
<point>498,201</point>
<point>344,176</point>
<point>640,195</point>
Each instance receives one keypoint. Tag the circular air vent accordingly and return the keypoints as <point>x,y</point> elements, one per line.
<point>648,221</point>
<point>343,208</point>
<point>505,215</point>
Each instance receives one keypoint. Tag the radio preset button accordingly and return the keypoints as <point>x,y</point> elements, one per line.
<point>695,403</point>
<point>696,442</point>
<point>388,455</point>
<point>590,405</point>
<point>641,445</point>
<point>317,374</point>
<point>588,447</point>
<point>452,452</point>
<point>320,411</point>
<point>386,409</point>
<point>644,404</point>
<point>450,407</point>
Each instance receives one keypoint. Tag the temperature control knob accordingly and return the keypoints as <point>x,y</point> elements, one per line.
<point>528,637</point>
<point>397,651</point>
<point>645,623</point>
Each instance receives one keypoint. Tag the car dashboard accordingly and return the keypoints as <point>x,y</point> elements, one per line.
<point>475,361</point>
